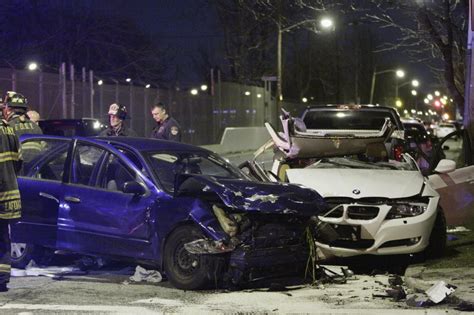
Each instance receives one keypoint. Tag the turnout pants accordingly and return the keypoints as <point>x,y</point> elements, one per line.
<point>5,246</point>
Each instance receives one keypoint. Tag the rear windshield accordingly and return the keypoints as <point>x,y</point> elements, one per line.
<point>344,119</point>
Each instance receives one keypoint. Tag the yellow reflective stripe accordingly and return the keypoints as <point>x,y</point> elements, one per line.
<point>11,194</point>
<point>10,215</point>
<point>10,156</point>
<point>5,268</point>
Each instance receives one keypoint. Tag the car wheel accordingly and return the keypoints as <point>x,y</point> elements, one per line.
<point>438,236</point>
<point>185,270</point>
<point>23,253</point>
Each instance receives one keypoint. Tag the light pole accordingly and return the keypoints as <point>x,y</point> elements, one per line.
<point>325,23</point>
<point>398,72</point>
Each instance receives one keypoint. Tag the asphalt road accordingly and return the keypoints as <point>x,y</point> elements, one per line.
<point>106,291</point>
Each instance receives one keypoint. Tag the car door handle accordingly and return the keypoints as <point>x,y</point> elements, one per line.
<point>48,196</point>
<point>72,199</point>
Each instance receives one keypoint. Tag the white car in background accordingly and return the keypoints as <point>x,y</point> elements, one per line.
<point>376,206</point>
<point>445,129</point>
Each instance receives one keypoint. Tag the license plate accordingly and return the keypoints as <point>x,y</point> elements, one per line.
<point>348,232</point>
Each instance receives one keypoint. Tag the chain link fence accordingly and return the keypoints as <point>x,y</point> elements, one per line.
<point>203,117</point>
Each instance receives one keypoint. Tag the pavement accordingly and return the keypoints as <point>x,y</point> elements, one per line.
<point>419,278</point>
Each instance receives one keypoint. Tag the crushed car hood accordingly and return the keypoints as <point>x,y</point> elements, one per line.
<point>359,183</point>
<point>262,197</point>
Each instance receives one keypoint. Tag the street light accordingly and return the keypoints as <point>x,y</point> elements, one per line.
<point>398,72</point>
<point>100,82</point>
<point>324,22</point>
<point>32,66</point>
<point>414,83</point>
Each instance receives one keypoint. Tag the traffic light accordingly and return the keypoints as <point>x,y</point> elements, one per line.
<point>437,103</point>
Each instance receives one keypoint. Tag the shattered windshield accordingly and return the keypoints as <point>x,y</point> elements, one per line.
<point>166,165</point>
<point>353,162</point>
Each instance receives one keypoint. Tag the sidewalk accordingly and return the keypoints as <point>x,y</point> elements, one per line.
<point>420,278</point>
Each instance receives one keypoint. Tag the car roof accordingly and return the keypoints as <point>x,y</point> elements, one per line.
<point>140,144</point>
<point>351,106</point>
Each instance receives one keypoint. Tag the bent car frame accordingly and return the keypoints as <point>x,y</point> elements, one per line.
<point>377,205</point>
<point>175,207</point>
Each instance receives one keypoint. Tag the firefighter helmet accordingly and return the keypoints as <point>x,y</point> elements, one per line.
<point>119,110</point>
<point>15,100</point>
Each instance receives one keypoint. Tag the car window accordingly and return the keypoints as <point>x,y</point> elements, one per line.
<point>344,119</point>
<point>85,164</point>
<point>114,174</point>
<point>41,154</point>
<point>166,165</point>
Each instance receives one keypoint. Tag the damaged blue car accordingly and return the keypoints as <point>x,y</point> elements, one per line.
<point>178,208</point>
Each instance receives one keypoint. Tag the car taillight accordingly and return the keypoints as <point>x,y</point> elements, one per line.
<point>397,152</point>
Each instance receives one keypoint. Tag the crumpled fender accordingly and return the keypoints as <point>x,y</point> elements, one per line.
<point>261,197</point>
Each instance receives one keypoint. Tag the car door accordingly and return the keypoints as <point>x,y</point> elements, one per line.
<point>98,217</point>
<point>456,188</point>
<point>41,185</point>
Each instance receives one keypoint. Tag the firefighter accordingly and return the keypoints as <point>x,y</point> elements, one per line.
<point>117,115</point>
<point>167,127</point>
<point>14,112</point>
<point>10,204</point>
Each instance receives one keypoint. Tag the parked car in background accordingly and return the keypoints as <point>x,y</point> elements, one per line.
<point>377,205</point>
<point>175,207</point>
<point>84,127</point>
<point>445,129</point>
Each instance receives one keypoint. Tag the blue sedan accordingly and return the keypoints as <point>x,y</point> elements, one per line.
<point>178,208</point>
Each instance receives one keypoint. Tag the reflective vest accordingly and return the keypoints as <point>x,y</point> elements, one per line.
<point>10,164</point>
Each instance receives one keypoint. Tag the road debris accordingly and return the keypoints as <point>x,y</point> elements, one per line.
<point>143,275</point>
<point>54,272</point>
<point>439,291</point>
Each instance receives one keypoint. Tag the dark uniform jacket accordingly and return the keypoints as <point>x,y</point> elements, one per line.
<point>167,130</point>
<point>24,126</point>
<point>123,131</point>
<point>10,164</point>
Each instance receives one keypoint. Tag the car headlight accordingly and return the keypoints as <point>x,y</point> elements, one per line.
<point>404,210</point>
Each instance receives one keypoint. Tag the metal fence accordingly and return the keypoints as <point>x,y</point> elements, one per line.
<point>203,117</point>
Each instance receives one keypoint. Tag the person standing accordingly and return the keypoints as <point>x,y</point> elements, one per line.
<point>167,127</point>
<point>117,115</point>
<point>14,112</point>
<point>10,203</point>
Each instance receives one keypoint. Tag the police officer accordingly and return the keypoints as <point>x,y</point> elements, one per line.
<point>14,112</point>
<point>167,127</point>
<point>117,127</point>
<point>10,204</point>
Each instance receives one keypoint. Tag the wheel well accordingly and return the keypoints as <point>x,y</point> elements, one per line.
<point>166,237</point>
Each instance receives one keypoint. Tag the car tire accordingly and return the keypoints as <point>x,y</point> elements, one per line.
<point>185,270</point>
<point>23,253</point>
<point>437,243</point>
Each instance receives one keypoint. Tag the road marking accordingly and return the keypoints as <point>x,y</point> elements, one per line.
<point>83,308</point>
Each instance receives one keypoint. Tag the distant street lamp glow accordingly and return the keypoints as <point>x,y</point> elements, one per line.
<point>128,80</point>
<point>147,86</point>
<point>414,92</point>
<point>304,99</point>
<point>247,93</point>
<point>405,111</point>
<point>437,93</point>
<point>100,82</point>
<point>326,22</point>
<point>415,83</point>
<point>194,92</point>
<point>427,101</point>
<point>413,111</point>
<point>398,103</point>
<point>400,73</point>
<point>430,97</point>
<point>445,116</point>
<point>204,87</point>
<point>259,95</point>
<point>32,66</point>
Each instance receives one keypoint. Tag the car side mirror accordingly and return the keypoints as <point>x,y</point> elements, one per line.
<point>445,166</point>
<point>133,187</point>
